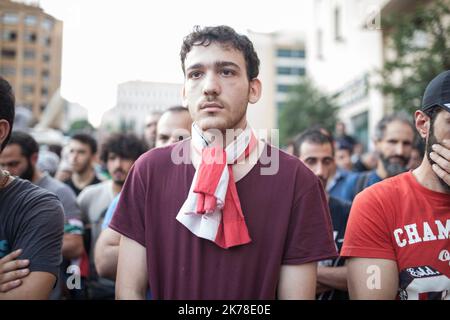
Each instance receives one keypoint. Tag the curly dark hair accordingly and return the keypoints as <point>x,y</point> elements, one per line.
<point>7,110</point>
<point>126,146</point>
<point>226,36</point>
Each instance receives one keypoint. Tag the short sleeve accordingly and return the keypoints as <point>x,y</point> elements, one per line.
<point>40,234</point>
<point>69,202</point>
<point>72,213</point>
<point>310,234</point>
<point>367,234</point>
<point>129,216</point>
<point>110,212</point>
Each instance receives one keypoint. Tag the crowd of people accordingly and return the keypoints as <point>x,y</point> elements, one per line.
<point>188,209</point>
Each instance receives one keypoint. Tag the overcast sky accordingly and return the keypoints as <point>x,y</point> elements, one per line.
<point>106,42</point>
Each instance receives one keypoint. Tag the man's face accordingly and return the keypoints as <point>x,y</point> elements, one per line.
<point>118,167</point>
<point>319,159</point>
<point>16,163</point>
<point>216,87</point>
<point>439,131</point>
<point>173,127</point>
<point>344,159</point>
<point>150,129</point>
<point>395,147</point>
<point>80,156</point>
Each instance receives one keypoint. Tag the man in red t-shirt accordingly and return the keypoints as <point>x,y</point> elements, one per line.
<point>397,237</point>
<point>220,223</point>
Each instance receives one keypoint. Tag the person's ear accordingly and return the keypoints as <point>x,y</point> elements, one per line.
<point>4,130</point>
<point>423,123</point>
<point>254,91</point>
<point>34,158</point>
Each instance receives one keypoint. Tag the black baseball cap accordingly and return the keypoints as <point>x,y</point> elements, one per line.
<point>437,93</point>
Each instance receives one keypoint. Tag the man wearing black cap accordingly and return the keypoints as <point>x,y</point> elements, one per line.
<point>397,237</point>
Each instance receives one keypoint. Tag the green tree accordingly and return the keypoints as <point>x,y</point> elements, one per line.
<point>82,125</point>
<point>306,106</point>
<point>418,48</point>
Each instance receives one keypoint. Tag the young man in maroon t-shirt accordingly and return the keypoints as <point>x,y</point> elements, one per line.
<point>253,227</point>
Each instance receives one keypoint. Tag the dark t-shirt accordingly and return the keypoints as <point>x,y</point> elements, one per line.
<point>31,219</point>
<point>339,211</point>
<point>75,189</point>
<point>286,214</point>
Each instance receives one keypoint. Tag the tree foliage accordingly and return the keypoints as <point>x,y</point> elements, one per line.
<point>79,126</point>
<point>306,106</point>
<point>418,49</point>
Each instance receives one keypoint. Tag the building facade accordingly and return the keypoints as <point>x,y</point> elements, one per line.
<point>30,54</point>
<point>283,63</point>
<point>347,45</point>
<point>344,50</point>
<point>137,99</point>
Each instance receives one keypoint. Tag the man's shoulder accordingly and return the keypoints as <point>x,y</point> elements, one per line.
<point>94,189</point>
<point>165,157</point>
<point>58,187</point>
<point>389,188</point>
<point>293,165</point>
<point>23,194</point>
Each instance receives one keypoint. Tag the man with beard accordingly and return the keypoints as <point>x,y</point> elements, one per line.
<point>20,157</point>
<point>397,237</point>
<point>394,137</point>
<point>119,152</point>
<point>82,150</point>
<point>316,150</point>
<point>31,225</point>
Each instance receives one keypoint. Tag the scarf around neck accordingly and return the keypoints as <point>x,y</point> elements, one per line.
<point>212,209</point>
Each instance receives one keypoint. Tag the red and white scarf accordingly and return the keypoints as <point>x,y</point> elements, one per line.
<point>212,209</point>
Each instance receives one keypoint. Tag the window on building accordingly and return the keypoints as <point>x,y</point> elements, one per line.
<point>28,89</point>
<point>8,53</point>
<point>45,75</point>
<point>10,18</point>
<point>47,24</point>
<point>29,54</point>
<point>30,37</point>
<point>298,71</point>
<point>44,91</point>
<point>9,35</point>
<point>298,53</point>
<point>28,72</point>
<point>47,41</point>
<point>290,53</point>
<point>338,24</point>
<point>7,71</point>
<point>46,57</point>
<point>283,88</point>
<point>30,20</point>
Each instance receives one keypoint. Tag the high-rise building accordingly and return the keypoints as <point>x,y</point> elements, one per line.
<point>282,56</point>
<point>30,53</point>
